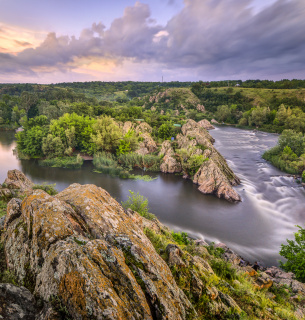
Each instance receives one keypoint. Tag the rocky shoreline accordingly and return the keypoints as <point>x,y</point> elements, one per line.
<point>80,255</point>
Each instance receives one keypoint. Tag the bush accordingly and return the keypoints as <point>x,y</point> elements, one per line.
<point>294,252</point>
<point>216,252</point>
<point>223,269</point>
<point>138,203</point>
<point>181,238</point>
<point>69,162</point>
<point>303,176</point>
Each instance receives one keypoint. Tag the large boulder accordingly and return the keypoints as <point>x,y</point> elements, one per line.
<point>206,124</point>
<point>211,180</point>
<point>84,248</point>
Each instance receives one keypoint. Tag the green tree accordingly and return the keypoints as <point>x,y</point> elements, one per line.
<point>258,116</point>
<point>292,139</point>
<point>294,252</point>
<point>107,134</point>
<point>223,113</point>
<point>52,147</point>
<point>166,131</point>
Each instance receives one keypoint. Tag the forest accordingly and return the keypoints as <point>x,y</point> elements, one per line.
<point>61,121</point>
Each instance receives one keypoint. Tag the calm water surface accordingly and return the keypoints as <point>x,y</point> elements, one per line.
<point>272,203</point>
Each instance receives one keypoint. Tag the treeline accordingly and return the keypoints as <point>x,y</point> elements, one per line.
<point>274,113</point>
<point>131,89</point>
<point>259,84</point>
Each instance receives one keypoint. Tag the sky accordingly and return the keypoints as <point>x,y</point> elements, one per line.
<point>51,41</point>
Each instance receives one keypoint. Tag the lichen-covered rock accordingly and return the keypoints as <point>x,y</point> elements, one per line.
<point>143,127</point>
<point>84,248</point>
<point>16,303</point>
<point>206,124</point>
<point>148,145</point>
<point>211,180</point>
<point>128,125</point>
<point>16,184</point>
<point>170,165</point>
<point>282,278</point>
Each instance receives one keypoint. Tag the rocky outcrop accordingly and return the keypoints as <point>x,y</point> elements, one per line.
<point>82,256</point>
<point>128,125</point>
<point>143,127</point>
<point>16,184</point>
<point>169,163</point>
<point>282,278</point>
<point>214,121</point>
<point>206,124</point>
<point>211,180</point>
<point>200,108</point>
<point>84,248</point>
<point>148,145</point>
<point>214,175</point>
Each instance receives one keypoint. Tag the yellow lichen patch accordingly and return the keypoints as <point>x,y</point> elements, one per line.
<point>72,294</point>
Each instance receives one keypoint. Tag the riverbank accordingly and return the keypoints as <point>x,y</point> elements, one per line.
<point>189,279</point>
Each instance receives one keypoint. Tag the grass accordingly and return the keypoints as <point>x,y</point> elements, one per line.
<point>66,162</point>
<point>107,163</point>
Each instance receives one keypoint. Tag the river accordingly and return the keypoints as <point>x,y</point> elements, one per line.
<point>272,203</point>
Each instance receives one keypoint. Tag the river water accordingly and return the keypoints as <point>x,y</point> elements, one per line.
<point>272,203</point>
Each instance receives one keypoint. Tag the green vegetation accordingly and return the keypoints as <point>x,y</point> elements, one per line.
<point>65,162</point>
<point>294,252</point>
<point>48,188</point>
<point>138,203</point>
<point>3,205</point>
<point>289,154</point>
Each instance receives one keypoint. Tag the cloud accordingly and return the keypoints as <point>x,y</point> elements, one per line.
<point>207,39</point>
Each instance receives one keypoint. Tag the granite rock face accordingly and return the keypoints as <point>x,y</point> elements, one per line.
<point>84,248</point>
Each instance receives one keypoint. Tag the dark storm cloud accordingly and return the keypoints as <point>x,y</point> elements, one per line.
<point>222,37</point>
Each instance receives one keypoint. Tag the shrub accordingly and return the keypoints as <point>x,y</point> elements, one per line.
<point>139,204</point>
<point>294,252</point>
<point>181,238</point>
<point>223,269</point>
<point>216,252</point>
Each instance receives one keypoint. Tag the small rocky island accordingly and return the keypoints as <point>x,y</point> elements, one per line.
<point>213,176</point>
<point>80,255</point>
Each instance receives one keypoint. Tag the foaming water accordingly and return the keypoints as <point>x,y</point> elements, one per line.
<point>272,203</point>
